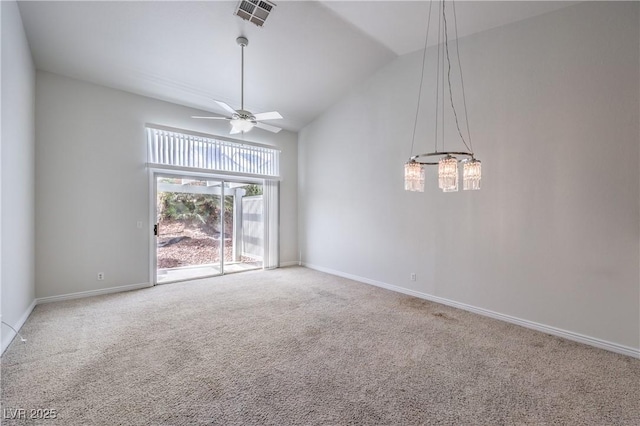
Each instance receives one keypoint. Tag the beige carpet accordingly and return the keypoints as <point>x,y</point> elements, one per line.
<point>298,347</point>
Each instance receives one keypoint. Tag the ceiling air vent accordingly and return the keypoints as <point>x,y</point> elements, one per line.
<point>255,11</point>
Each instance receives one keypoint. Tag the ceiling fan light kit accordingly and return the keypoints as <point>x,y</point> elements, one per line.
<point>241,120</point>
<point>242,124</point>
<point>447,161</point>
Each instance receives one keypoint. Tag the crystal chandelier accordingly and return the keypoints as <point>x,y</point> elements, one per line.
<point>447,161</point>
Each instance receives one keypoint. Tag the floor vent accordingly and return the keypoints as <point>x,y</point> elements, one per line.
<point>255,11</point>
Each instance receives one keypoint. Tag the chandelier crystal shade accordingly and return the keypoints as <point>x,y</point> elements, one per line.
<point>448,174</point>
<point>447,161</point>
<point>471,174</point>
<point>413,176</point>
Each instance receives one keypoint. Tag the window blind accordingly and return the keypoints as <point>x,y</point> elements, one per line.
<point>271,190</point>
<point>171,148</point>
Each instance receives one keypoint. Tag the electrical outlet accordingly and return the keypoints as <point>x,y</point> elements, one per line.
<point>139,224</point>
<point>100,276</point>
<point>413,276</point>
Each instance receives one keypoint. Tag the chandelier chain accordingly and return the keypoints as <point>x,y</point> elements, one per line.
<point>441,81</point>
<point>464,98</point>
<point>424,56</point>
<point>437,84</point>
<point>446,44</point>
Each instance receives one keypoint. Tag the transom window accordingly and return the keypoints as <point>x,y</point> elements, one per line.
<point>170,148</point>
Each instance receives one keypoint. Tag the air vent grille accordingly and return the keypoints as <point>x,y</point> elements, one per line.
<point>255,11</point>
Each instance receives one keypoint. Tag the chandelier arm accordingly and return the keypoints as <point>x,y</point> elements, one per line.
<point>453,108</point>
<point>424,56</point>
<point>464,98</point>
<point>454,154</point>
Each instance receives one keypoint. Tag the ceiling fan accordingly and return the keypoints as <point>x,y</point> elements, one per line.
<point>242,120</point>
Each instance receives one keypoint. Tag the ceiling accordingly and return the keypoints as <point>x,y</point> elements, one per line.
<point>307,55</point>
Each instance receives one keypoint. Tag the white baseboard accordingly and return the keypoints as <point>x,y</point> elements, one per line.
<point>570,335</point>
<point>8,337</point>
<point>82,294</point>
<point>291,263</point>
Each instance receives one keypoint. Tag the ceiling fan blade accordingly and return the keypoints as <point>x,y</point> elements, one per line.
<point>268,127</point>
<point>226,107</point>
<point>273,115</point>
<point>211,118</point>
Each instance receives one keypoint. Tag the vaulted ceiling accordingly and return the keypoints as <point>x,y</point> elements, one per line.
<point>307,55</point>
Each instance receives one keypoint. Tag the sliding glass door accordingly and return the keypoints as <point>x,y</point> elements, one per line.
<point>206,227</point>
<point>189,228</point>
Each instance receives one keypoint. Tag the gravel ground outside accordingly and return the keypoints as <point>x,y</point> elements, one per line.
<point>201,245</point>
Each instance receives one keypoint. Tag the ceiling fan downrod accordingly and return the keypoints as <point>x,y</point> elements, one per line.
<point>243,42</point>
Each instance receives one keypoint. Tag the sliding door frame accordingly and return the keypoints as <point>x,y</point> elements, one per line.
<point>155,172</point>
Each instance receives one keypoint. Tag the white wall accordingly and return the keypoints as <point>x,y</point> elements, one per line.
<point>553,236</point>
<point>92,185</point>
<point>17,173</point>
